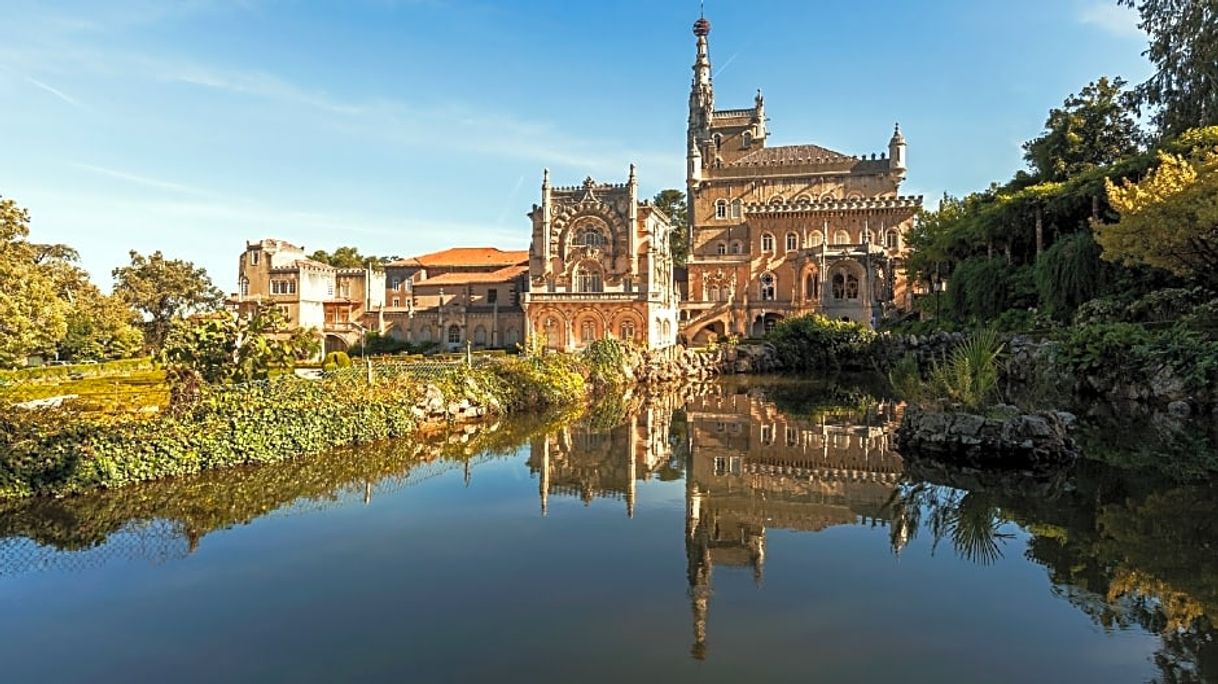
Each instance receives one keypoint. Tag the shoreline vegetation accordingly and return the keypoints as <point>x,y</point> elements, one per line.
<point>63,450</point>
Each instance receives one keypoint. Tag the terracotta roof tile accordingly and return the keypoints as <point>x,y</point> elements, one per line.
<point>467,256</point>
<point>500,276</point>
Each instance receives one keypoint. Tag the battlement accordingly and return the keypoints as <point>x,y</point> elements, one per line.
<point>810,205</point>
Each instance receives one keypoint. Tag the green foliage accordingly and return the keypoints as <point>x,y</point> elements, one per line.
<point>163,290</point>
<point>541,380</point>
<point>227,348</point>
<point>57,374</point>
<point>1094,128</point>
<point>33,314</point>
<point>100,328</point>
<point>604,360</point>
<point>1169,219</point>
<point>981,289</point>
<point>336,360</point>
<point>1184,50</point>
<point>1133,354</point>
<point>673,203</point>
<point>814,342</point>
<point>906,380</point>
<point>1068,274</point>
<point>376,344</point>
<point>349,257</point>
<point>969,375</point>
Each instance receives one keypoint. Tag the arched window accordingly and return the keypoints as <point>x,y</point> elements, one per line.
<point>721,248</point>
<point>854,197</point>
<point>425,333</point>
<point>792,242</point>
<point>815,239</point>
<point>627,330</point>
<point>588,279</point>
<point>893,239</point>
<point>511,337</point>
<point>713,293</point>
<point>718,138</point>
<point>587,332</point>
<point>841,237</point>
<point>767,287</point>
<point>737,209</point>
<point>590,237</point>
<point>454,334</point>
<point>480,336</point>
<point>777,199</point>
<point>812,286</point>
<point>245,286</point>
<point>845,285</point>
<point>721,209</point>
<point>627,284</point>
<point>866,236</point>
<point>827,197</point>
<point>747,139</point>
<point>767,243</point>
<point>736,247</point>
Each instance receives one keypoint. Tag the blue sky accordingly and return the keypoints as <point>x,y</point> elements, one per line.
<point>411,125</point>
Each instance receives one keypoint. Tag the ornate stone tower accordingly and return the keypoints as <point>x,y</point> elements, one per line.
<point>600,265</point>
<point>778,231</point>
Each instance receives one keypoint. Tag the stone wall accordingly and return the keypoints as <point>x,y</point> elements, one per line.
<point>678,363</point>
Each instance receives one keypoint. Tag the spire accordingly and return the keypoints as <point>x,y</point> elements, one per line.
<point>701,93</point>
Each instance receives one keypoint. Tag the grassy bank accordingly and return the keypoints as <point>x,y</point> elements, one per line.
<point>69,450</point>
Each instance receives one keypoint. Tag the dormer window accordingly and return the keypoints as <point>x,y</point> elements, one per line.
<point>254,258</point>
<point>747,140</point>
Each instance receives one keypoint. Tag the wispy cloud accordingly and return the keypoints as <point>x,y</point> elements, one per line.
<point>54,91</point>
<point>1111,18</point>
<point>140,180</point>
<point>726,64</point>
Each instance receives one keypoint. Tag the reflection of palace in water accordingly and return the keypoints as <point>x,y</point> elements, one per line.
<point>583,461</point>
<point>752,467</point>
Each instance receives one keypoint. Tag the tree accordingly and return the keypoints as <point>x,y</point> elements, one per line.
<point>32,313</point>
<point>1093,128</point>
<point>1168,219</point>
<point>164,289</point>
<point>673,203</point>
<point>348,257</point>
<point>225,347</point>
<point>1184,49</point>
<point>100,327</point>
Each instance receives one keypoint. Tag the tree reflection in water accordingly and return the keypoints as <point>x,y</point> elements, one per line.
<point>1130,548</point>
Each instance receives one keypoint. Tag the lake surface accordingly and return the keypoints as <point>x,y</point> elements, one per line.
<point>759,531</point>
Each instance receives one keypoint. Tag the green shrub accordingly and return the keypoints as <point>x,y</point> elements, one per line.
<point>604,360</point>
<point>814,342</point>
<point>1068,274</point>
<point>336,360</point>
<point>981,289</point>
<point>969,374</point>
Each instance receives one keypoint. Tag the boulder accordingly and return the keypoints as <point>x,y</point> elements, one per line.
<point>1013,442</point>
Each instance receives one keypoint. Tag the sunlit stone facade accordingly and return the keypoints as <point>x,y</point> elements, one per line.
<point>778,231</point>
<point>600,265</point>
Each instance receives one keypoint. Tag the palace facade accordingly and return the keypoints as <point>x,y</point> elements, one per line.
<point>777,231</point>
<point>339,303</point>
<point>600,265</point>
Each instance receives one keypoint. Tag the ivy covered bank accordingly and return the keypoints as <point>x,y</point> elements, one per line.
<point>64,450</point>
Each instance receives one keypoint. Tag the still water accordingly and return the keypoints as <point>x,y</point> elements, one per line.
<point>766,531</point>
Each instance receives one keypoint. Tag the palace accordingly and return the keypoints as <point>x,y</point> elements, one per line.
<point>777,231</point>
<point>600,265</point>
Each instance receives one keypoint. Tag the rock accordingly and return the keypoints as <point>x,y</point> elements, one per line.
<point>1179,409</point>
<point>1022,441</point>
<point>433,400</point>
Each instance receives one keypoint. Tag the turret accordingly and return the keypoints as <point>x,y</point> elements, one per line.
<point>896,151</point>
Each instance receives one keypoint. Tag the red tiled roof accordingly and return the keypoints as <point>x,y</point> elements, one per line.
<point>468,256</point>
<point>502,275</point>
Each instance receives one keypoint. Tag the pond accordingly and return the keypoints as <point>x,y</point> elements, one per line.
<point>737,531</point>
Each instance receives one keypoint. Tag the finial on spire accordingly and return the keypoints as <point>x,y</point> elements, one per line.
<point>545,177</point>
<point>632,177</point>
